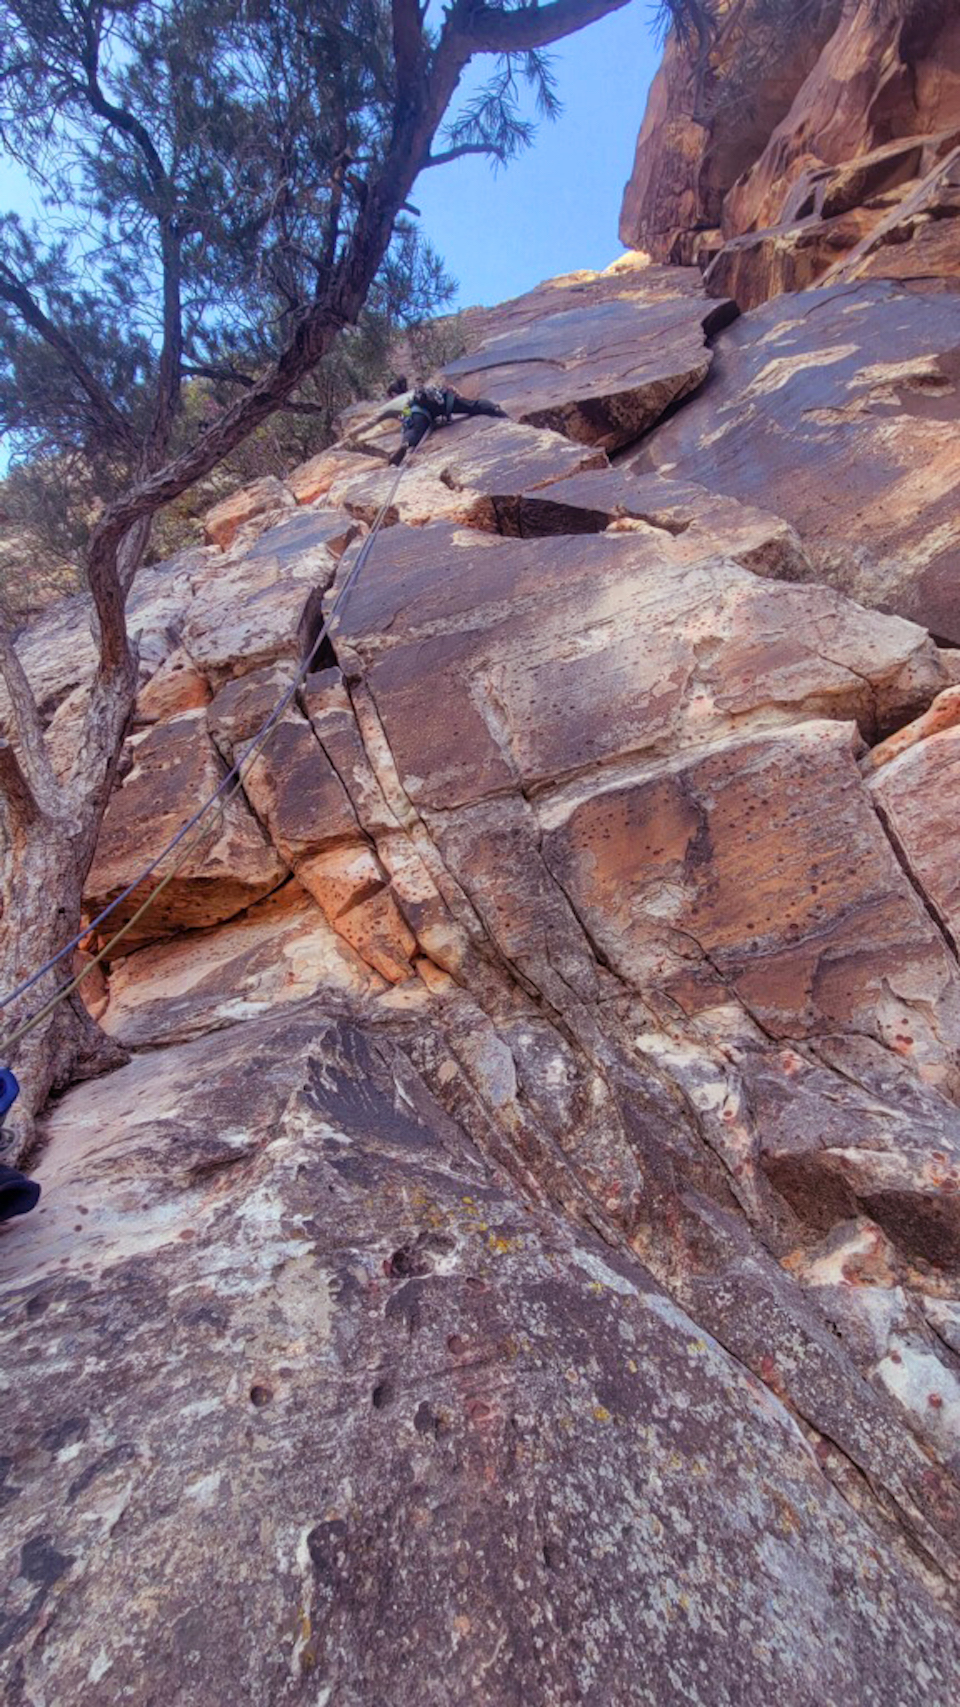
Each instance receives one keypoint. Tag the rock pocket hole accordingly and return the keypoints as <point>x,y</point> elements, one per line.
<point>260,1395</point>
<point>419,1256</point>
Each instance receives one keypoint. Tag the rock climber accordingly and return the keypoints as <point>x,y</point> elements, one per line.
<point>431,406</point>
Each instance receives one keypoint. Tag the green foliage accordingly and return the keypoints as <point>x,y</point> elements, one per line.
<point>202,167</point>
<point>693,22</point>
<point>493,120</point>
<point>33,569</point>
<point>239,127</point>
<point>758,35</point>
<point>732,45</point>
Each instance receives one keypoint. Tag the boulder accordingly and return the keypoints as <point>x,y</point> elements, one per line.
<point>625,501</point>
<point>857,1280</point>
<point>310,481</point>
<point>603,374</point>
<point>302,803</point>
<point>870,179</point>
<point>917,794</point>
<point>550,656</point>
<point>471,472</point>
<point>385,817</point>
<point>917,238</point>
<point>176,686</point>
<point>835,1150</point>
<point>710,879</point>
<point>944,713</point>
<point>262,603</point>
<point>924,252</point>
<point>290,783</point>
<point>278,951</point>
<point>761,264</point>
<point>57,650</point>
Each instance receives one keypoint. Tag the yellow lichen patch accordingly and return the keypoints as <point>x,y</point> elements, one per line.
<point>500,1245</point>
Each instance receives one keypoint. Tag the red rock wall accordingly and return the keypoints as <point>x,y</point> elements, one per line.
<point>693,145</point>
<point>785,201</point>
<point>520,1262</point>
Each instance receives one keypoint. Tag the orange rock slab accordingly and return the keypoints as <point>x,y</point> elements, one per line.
<point>263,497</point>
<point>760,871</point>
<point>919,795</point>
<point>175,768</point>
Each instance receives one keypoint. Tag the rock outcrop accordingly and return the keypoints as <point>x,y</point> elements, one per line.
<point>837,409</point>
<point>805,143</point>
<point>520,1261</point>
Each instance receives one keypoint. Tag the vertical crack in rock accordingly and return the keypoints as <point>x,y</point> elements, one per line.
<point>937,917</point>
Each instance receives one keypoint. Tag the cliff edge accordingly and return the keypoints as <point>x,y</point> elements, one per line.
<point>805,144</point>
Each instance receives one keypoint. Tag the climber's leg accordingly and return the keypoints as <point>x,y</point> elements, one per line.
<point>411,432</point>
<point>477,406</point>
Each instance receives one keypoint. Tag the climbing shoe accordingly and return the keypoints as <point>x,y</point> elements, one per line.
<point>17,1193</point>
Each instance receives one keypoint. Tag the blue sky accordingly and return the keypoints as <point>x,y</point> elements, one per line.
<point>557,207</point>
<point>554,209</point>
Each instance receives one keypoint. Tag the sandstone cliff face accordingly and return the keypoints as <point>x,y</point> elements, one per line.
<point>520,1262</point>
<point>821,142</point>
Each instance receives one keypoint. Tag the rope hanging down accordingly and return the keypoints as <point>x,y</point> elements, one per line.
<point>217,803</point>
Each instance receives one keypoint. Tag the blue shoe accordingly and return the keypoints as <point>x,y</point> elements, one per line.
<point>18,1194</point>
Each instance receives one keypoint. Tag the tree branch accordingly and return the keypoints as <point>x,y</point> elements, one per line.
<point>228,375</point>
<point>304,408</point>
<point>488,30</point>
<point>109,418</point>
<point>27,724</point>
<point>456,153</point>
<point>120,119</point>
<point>15,791</point>
<point>413,128</point>
<point>407,42</point>
<point>171,352</point>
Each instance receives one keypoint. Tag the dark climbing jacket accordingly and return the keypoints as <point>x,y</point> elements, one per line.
<point>431,407</point>
<point>433,402</point>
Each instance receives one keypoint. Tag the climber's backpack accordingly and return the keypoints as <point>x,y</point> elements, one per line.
<point>430,400</point>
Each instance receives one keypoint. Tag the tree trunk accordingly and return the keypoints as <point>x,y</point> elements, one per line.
<point>43,879</point>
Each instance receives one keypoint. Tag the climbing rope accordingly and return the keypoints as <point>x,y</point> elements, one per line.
<point>217,803</point>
